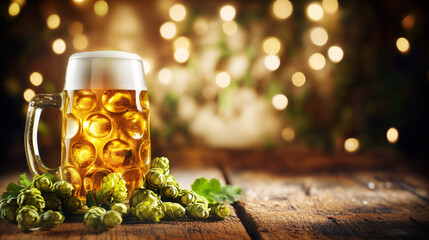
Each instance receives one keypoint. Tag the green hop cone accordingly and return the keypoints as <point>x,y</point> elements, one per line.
<point>148,212</point>
<point>197,211</point>
<point>161,162</point>
<point>219,211</point>
<point>170,190</point>
<point>154,179</point>
<point>52,202</point>
<point>91,218</point>
<point>119,207</point>
<point>120,192</point>
<point>63,189</point>
<point>110,219</point>
<point>139,195</point>
<point>71,204</point>
<point>203,200</point>
<point>173,210</point>
<point>28,218</point>
<point>187,197</point>
<point>8,209</point>
<point>42,183</point>
<point>50,219</point>
<point>31,196</point>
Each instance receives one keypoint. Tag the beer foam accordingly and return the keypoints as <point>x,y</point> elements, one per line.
<point>105,70</point>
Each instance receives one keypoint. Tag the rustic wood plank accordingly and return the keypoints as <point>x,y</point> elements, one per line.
<point>369,204</point>
<point>230,228</point>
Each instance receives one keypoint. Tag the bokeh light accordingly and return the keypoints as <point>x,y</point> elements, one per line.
<point>178,12</point>
<point>53,21</point>
<point>351,145</point>
<point>75,28</point>
<point>335,53</point>
<point>36,78</point>
<point>168,30</point>
<point>229,27</point>
<point>279,101</point>
<point>14,9</point>
<point>165,76</point>
<point>80,42</point>
<point>330,6</point>
<point>288,134</point>
<point>28,94</point>
<point>227,12</point>
<point>146,66</point>
<point>403,45</point>
<point>59,46</point>
<point>181,55</point>
<point>272,62</point>
<point>223,79</point>
<point>392,135</point>
<point>101,8</point>
<point>315,11</point>
<point>317,61</point>
<point>201,26</point>
<point>319,36</point>
<point>282,9</point>
<point>298,79</point>
<point>181,42</point>
<point>271,45</point>
<point>408,22</point>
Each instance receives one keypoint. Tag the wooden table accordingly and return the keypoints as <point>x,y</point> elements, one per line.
<point>287,194</point>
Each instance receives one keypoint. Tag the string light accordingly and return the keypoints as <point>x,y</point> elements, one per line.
<point>282,9</point>
<point>223,79</point>
<point>181,55</point>
<point>229,27</point>
<point>335,53</point>
<point>28,94</point>
<point>59,46</point>
<point>330,6</point>
<point>165,76</point>
<point>168,30</point>
<point>317,61</point>
<point>14,9</point>
<point>298,79</point>
<point>392,135</point>
<point>181,42</point>
<point>146,66</point>
<point>351,145</point>
<point>279,101</point>
<point>53,21</point>
<point>315,11</point>
<point>271,45</point>
<point>101,7</point>
<point>75,28</point>
<point>227,13</point>
<point>178,12</point>
<point>272,62</point>
<point>408,22</point>
<point>403,45</point>
<point>36,78</point>
<point>319,36</point>
<point>80,42</point>
<point>288,134</point>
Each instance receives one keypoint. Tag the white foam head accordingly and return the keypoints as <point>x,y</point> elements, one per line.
<point>105,70</point>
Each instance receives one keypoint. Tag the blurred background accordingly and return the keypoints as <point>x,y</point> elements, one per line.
<point>337,77</point>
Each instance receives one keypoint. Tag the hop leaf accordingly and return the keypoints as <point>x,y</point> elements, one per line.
<point>214,192</point>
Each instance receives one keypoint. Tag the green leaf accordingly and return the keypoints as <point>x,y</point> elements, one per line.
<point>51,177</point>
<point>24,181</point>
<point>90,199</point>
<point>214,192</point>
<point>12,190</point>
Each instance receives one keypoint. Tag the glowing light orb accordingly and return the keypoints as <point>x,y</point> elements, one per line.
<point>181,55</point>
<point>101,8</point>
<point>330,6</point>
<point>282,9</point>
<point>229,27</point>
<point>59,46</point>
<point>403,45</point>
<point>335,53</point>
<point>80,42</point>
<point>319,36</point>
<point>279,102</point>
<point>53,21</point>
<point>178,12</point>
<point>28,94</point>
<point>317,61</point>
<point>165,76</point>
<point>392,135</point>
<point>168,30</point>
<point>315,11</point>
<point>36,78</point>
<point>298,79</point>
<point>288,134</point>
<point>223,79</point>
<point>227,13</point>
<point>351,145</point>
<point>14,9</point>
<point>271,45</point>
<point>272,62</point>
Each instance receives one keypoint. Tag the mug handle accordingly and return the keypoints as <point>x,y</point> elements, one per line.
<point>35,108</point>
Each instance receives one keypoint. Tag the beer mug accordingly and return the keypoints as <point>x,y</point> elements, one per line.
<point>105,121</point>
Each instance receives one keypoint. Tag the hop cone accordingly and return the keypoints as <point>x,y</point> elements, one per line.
<point>219,211</point>
<point>71,204</point>
<point>110,219</point>
<point>197,211</point>
<point>187,197</point>
<point>161,162</point>
<point>139,195</point>
<point>203,200</point>
<point>42,183</point>
<point>154,179</point>
<point>52,202</point>
<point>31,196</point>
<point>63,189</point>
<point>148,212</point>
<point>8,209</point>
<point>50,219</point>
<point>92,217</point>
<point>171,188</point>
<point>173,210</point>
<point>28,218</point>
<point>120,192</point>
<point>119,207</point>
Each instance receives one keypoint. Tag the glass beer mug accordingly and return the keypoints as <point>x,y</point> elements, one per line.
<point>105,121</point>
